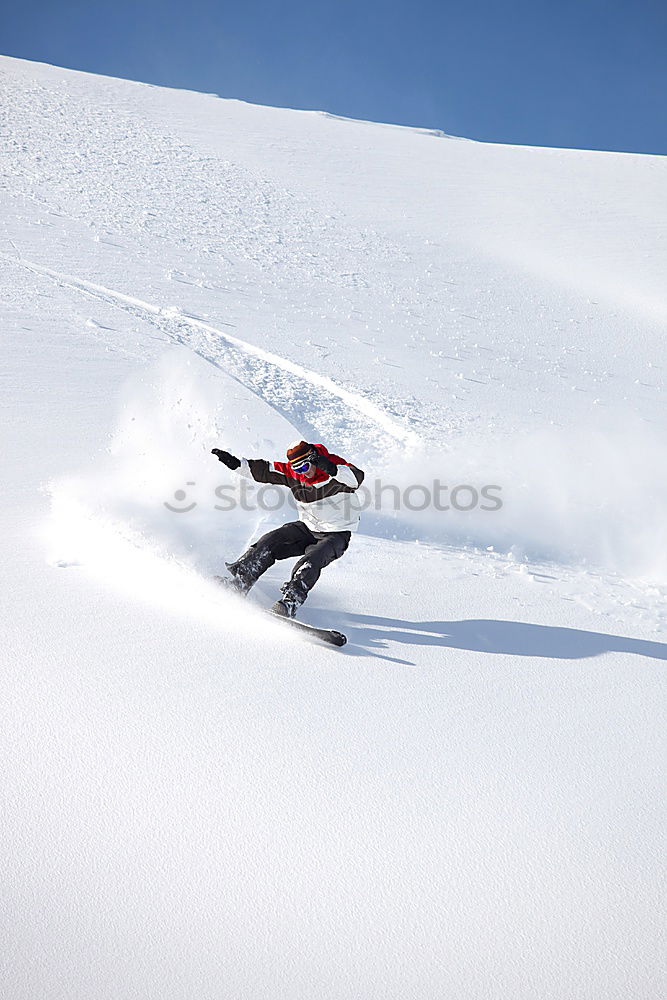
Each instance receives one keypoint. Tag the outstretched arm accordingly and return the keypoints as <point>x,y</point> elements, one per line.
<point>252,468</point>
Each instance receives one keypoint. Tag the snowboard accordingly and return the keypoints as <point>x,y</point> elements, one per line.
<point>328,635</point>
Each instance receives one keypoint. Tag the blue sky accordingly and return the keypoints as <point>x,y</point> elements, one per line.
<point>582,73</point>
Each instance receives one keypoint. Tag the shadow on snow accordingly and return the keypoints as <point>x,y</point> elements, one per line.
<point>494,636</point>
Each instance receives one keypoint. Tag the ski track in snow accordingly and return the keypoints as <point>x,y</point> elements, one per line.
<point>277,381</point>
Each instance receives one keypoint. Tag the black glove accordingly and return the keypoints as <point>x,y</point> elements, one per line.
<point>231,461</point>
<point>325,464</point>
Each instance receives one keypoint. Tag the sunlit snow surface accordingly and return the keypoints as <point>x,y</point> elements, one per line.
<point>467,800</point>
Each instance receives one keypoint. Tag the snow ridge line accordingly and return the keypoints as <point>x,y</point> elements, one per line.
<point>353,400</point>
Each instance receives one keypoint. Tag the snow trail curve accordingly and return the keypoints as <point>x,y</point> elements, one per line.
<point>279,382</point>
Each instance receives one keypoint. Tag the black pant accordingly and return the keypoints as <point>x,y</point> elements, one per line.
<point>294,539</point>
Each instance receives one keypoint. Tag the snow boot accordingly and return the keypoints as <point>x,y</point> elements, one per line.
<point>247,570</point>
<point>294,594</point>
<point>232,583</point>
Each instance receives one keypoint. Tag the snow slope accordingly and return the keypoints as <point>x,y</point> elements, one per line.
<point>467,800</point>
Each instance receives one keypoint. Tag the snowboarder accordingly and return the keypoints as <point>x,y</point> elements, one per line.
<point>321,484</point>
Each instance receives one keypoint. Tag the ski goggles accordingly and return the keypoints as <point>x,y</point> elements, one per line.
<point>303,464</point>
